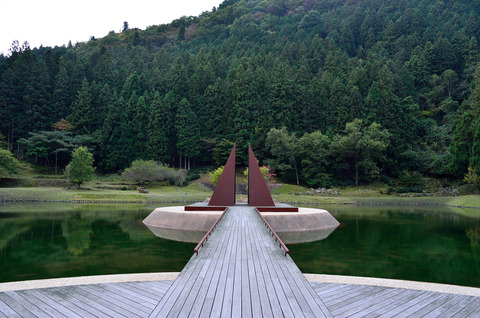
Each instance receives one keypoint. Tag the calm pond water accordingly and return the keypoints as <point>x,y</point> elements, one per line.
<point>422,244</point>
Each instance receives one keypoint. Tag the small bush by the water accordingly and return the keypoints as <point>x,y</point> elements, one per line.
<point>142,171</point>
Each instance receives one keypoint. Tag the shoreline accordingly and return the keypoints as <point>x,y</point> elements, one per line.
<point>322,278</point>
<point>363,201</point>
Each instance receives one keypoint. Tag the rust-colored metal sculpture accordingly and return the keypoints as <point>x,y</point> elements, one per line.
<point>224,194</point>
<point>258,194</point>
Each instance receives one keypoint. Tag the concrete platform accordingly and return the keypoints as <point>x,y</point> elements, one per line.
<point>175,223</point>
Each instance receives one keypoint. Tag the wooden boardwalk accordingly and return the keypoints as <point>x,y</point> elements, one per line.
<point>140,298</point>
<point>241,272</point>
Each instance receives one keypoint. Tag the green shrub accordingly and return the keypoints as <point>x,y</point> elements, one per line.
<point>391,190</point>
<point>142,171</point>
<point>410,179</point>
<point>215,175</point>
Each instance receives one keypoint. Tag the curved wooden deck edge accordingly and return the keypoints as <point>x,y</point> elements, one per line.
<point>312,278</point>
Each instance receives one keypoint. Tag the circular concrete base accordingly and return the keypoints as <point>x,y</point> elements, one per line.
<point>306,225</point>
<point>174,223</point>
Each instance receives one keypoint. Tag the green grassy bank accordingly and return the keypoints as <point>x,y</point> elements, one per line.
<point>196,192</point>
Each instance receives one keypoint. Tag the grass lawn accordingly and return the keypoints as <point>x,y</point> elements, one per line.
<point>112,189</point>
<point>194,192</point>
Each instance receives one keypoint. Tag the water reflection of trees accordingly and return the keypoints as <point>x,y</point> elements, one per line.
<point>473,234</point>
<point>77,232</point>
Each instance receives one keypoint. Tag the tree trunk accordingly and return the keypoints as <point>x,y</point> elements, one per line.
<point>296,174</point>
<point>356,174</point>
<point>56,161</point>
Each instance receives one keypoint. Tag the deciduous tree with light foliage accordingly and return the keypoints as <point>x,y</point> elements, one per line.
<point>80,169</point>
<point>8,163</point>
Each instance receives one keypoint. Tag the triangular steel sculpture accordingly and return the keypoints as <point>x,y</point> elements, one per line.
<point>224,194</point>
<point>258,194</point>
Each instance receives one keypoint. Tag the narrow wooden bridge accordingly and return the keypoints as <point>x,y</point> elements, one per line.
<point>241,272</point>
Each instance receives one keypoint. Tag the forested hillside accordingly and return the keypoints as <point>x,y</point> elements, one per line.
<point>354,89</point>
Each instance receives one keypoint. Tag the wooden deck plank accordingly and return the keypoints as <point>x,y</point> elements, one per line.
<point>411,301</point>
<point>195,300</point>
<point>253,280</point>
<point>316,304</point>
<point>191,287</point>
<point>7,310</point>
<point>118,300</point>
<point>236,300</point>
<point>356,301</point>
<point>203,304</point>
<point>346,293</point>
<point>140,299</point>
<point>335,291</point>
<point>415,305</point>
<point>276,297</point>
<point>208,287</point>
<point>73,304</point>
<point>214,308</point>
<point>145,289</point>
<point>295,297</point>
<point>144,293</point>
<point>157,286</point>
<point>246,288</point>
<point>58,306</point>
<point>29,307</point>
<point>396,303</point>
<point>454,299</point>
<point>342,302</point>
<point>365,305</point>
<point>212,305</point>
<point>465,312</point>
<point>455,308</point>
<point>109,304</point>
<point>267,300</point>
<point>227,297</point>
<point>92,302</point>
<point>48,307</point>
<point>475,313</point>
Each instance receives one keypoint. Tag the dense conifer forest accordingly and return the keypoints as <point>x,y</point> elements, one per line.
<point>326,91</point>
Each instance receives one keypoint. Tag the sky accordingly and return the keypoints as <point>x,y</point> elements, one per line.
<point>55,22</point>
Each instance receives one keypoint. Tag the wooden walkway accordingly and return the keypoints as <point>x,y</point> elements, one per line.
<point>139,300</point>
<point>241,272</point>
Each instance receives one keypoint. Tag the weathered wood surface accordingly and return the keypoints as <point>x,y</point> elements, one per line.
<point>373,301</point>
<point>241,272</point>
<point>136,299</point>
<point>139,299</point>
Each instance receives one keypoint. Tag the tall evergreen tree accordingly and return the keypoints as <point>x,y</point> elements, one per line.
<point>157,130</point>
<point>82,110</point>
<point>188,133</point>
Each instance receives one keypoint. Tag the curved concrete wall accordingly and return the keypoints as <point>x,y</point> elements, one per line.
<point>306,225</point>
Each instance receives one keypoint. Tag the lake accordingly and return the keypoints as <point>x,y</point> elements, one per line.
<point>429,244</point>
